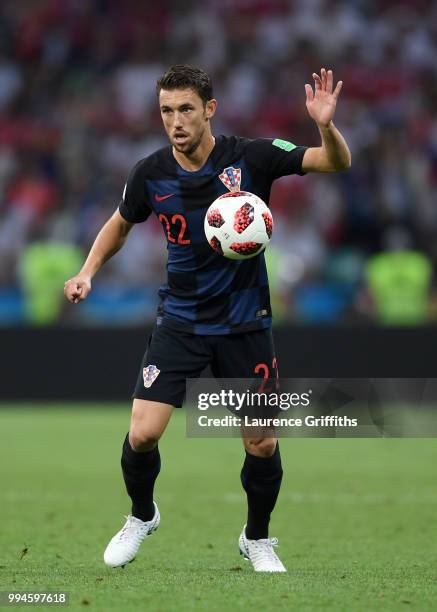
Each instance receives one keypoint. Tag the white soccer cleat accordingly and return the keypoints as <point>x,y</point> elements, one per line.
<point>260,553</point>
<point>124,545</point>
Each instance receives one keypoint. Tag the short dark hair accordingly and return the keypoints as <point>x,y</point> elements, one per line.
<point>184,76</point>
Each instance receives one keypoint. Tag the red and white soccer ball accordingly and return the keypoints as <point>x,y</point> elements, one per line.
<point>238,225</point>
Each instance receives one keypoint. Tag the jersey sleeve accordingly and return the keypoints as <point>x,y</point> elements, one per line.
<point>275,157</point>
<point>134,205</point>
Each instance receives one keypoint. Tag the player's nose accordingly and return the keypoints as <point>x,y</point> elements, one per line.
<point>177,120</point>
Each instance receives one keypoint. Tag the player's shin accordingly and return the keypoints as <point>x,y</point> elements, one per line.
<point>261,479</point>
<point>140,471</point>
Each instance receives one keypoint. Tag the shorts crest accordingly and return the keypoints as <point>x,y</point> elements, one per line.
<point>150,374</point>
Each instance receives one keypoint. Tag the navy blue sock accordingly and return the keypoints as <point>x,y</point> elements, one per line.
<point>140,470</point>
<point>261,479</point>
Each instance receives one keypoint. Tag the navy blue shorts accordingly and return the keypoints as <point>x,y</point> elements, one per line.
<point>172,356</point>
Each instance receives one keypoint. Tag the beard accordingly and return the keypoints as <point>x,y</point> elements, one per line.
<point>188,148</point>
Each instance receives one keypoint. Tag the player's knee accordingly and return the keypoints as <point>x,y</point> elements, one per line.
<point>143,440</point>
<point>264,447</point>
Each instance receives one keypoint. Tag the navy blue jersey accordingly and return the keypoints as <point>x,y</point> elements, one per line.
<point>205,292</point>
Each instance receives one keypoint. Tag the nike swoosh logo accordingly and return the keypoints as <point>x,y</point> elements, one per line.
<point>160,198</point>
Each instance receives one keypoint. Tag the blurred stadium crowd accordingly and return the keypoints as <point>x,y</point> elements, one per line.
<point>78,109</point>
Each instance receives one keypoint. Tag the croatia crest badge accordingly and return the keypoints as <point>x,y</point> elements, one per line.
<point>150,374</point>
<point>231,178</point>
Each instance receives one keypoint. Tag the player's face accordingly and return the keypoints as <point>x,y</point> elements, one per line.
<point>185,118</point>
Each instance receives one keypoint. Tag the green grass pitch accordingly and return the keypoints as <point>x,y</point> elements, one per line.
<point>356,519</point>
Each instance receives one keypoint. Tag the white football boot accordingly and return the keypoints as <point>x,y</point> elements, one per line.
<point>260,553</point>
<point>124,545</point>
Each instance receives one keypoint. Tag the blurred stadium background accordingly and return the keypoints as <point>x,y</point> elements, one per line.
<point>78,109</point>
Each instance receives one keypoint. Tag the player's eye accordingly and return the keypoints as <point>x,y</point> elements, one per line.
<point>186,109</point>
<point>165,111</point>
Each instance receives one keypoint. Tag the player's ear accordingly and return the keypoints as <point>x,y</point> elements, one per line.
<point>210,108</point>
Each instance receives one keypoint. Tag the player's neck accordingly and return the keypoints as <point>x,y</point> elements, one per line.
<point>194,162</point>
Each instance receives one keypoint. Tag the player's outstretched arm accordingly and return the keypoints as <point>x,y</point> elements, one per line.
<point>334,154</point>
<point>109,240</point>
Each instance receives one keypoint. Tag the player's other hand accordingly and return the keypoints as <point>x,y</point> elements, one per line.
<point>322,101</point>
<point>77,288</point>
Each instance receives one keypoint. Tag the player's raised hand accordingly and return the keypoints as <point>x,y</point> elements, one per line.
<point>77,288</point>
<point>322,101</point>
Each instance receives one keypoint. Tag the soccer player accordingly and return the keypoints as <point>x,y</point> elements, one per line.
<point>213,311</point>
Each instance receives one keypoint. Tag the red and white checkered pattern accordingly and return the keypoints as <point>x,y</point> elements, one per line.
<point>231,178</point>
<point>150,374</point>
